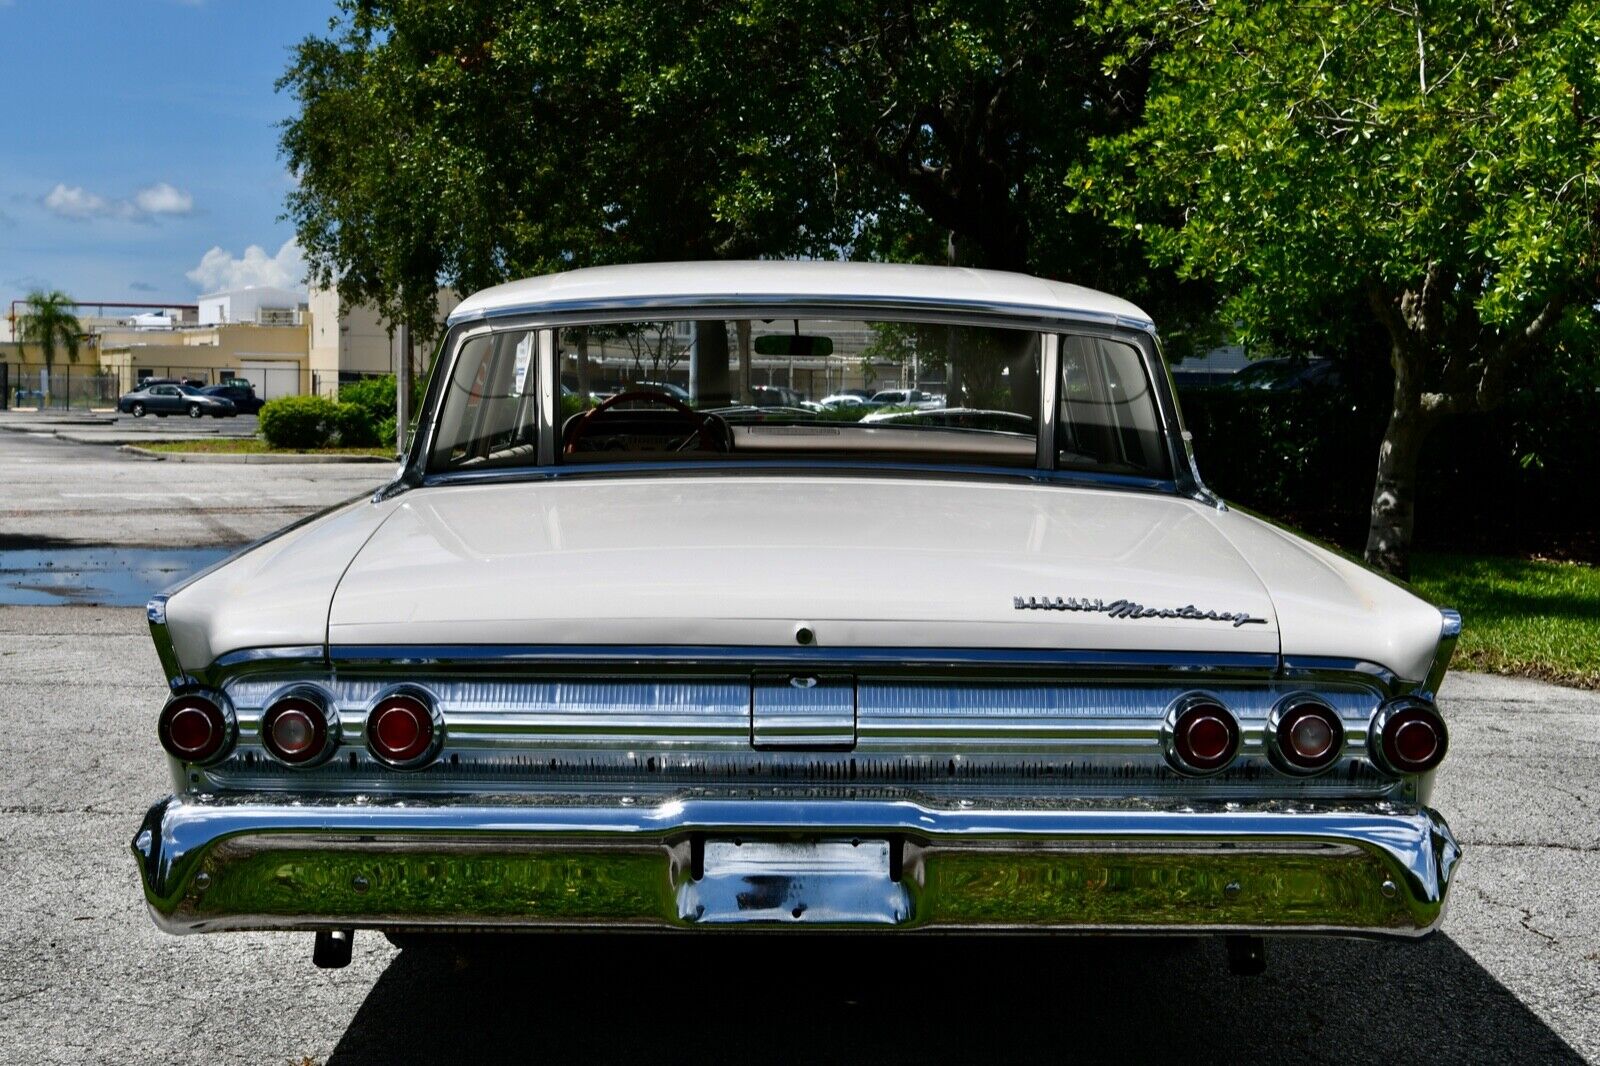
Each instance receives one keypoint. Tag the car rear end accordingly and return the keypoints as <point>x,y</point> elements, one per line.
<point>799,673</point>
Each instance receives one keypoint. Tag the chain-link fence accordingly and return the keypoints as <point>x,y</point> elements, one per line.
<point>85,387</point>
<point>64,385</point>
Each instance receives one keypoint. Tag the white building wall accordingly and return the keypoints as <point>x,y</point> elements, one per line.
<point>246,304</point>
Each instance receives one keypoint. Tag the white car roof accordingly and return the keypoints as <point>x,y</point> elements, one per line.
<point>797,281</point>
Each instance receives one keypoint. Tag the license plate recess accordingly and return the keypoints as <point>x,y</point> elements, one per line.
<point>818,882</point>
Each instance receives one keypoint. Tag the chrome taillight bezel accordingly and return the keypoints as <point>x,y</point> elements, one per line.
<point>419,699</point>
<point>319,708</point>
<point>1284,715</point>
<point>1180,717</point>
<point>1390,717</point>
<point>218,710</point>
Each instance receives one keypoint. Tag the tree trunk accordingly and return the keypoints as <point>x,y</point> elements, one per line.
<point>742,331</point>
<point>1394,492</point>
<point>708,368</point>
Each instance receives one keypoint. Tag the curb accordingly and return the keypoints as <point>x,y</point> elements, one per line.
<point>131,438</point>
<point>265,459</point>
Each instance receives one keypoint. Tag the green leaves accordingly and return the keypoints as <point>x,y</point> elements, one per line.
<point>1324,148</point>
<point>472,142</point>
<point>48,323</point>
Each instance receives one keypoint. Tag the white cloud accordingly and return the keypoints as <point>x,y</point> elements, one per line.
<point>163,199</point>
<point>76,202</point>
<point>219,269</point>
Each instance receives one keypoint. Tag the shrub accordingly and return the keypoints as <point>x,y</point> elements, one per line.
<point>376,396</point>
<point>299,421</point>
<point>356,427</point>
<point>373,395</point>
<point>386,433</point>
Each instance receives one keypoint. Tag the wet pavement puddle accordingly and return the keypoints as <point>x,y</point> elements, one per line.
<point>104,577</point>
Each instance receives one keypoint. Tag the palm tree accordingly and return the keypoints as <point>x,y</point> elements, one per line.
<point>48,322</point>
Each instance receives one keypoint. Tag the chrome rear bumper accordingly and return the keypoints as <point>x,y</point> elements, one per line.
<point>284,862</point>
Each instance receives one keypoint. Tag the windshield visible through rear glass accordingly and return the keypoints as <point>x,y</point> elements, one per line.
<point>864,392</point>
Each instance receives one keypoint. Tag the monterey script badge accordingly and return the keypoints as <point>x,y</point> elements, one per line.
<point>1129,609</point>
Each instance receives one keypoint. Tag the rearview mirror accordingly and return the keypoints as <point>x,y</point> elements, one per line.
<point>793,344</point>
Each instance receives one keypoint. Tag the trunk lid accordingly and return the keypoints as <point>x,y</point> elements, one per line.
<point>861,562</point>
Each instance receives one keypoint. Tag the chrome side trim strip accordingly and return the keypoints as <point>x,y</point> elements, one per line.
<point>740,657</point>
<point>309,662</point>
<point>996,662</point>
<point>1314,669</point>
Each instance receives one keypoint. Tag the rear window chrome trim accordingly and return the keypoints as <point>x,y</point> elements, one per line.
<point>795,303</point>
<point>791,467</point>
<point>1048,321</point>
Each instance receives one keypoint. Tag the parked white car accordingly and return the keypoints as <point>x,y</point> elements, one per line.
<point>843,400</point>
<point>654,665</point>
<point>900,400</point>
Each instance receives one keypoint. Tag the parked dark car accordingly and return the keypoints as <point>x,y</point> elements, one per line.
<point>166,399</point>
<point>242,397</point>
<point>1279,375</point>
<point>145,383</point>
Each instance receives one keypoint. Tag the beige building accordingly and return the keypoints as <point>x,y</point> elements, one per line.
<point>273,358</point>
<point>283,343</point>
<point>356,343</point>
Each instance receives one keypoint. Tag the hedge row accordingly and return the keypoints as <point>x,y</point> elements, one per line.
<point>363,417</point>
<point>316,422</point>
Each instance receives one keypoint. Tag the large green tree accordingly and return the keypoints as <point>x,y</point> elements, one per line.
<point>477,140</point>
<point>1435,163</point>
<point>49,324</point>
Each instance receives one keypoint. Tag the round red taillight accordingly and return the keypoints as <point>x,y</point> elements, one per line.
<point>196,727</point>
<point>300,728</point>
<point>1202,736</point>
<point>402,731</point>
<point>1304,735</point>
<point>1409,737</point>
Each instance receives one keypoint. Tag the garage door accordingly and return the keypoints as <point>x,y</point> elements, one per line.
<point>271,378</point>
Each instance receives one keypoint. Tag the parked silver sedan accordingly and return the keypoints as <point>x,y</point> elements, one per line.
<point>168,399</point>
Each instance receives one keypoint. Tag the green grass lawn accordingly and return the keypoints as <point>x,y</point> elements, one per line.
<point>252,446</point>
<point>1519,616</point>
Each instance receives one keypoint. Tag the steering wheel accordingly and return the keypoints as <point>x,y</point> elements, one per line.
<point>580,424</point>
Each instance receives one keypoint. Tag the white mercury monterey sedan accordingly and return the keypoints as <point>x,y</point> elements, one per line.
<point>656,662</point>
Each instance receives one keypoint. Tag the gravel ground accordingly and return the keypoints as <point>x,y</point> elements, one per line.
<point>84,976</point>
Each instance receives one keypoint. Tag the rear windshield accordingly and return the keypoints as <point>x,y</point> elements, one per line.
<point>887,392</point>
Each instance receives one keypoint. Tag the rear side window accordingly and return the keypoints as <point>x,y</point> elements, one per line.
<point>491,403</point>
<point>1108,419</point>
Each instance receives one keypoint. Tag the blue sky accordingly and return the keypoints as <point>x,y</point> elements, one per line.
<point>138,145</point>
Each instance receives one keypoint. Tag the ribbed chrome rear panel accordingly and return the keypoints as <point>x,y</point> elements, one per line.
<point>662,735</point>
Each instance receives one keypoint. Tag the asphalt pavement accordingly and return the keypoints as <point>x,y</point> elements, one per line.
<point>86,978</point>
<point>61,493</point>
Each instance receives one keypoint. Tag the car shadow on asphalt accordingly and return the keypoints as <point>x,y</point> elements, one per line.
<point>735,999</point>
